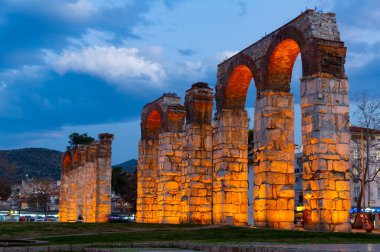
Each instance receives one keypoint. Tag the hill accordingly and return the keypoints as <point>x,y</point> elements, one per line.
<point>129,166</point>
<point>36,162</point>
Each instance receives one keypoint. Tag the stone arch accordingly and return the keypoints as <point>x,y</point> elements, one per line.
<point>318,55</point>
<point>151,122</point>
<point>165,114</point>
<point>324,99</point>
<point>237,78</point>
<point>280,58</point>
<point>162,121</point>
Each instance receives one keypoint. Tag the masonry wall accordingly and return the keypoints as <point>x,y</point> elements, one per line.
<point>86,182</point>
<point>147,182</point>
<point>274,161</point>
<point>326,149</point>
<point>185,148</point>
<point>169,193</point>
<point>197,175</point>
<point>230,172</point>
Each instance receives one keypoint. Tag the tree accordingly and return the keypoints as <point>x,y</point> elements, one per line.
<point>250,146</point>
<point>365,142</point>
<point>125,185</point>
<point>5,189</point>
<point>41,192</point>
<point>76,138</point>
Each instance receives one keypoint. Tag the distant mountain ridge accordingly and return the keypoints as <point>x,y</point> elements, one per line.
<point>36,162</point>
<point>129,166</point>
<point>39,162</point>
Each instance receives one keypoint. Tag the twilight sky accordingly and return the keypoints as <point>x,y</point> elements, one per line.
<point>90,65</point>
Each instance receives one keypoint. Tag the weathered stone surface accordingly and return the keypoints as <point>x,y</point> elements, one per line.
<point>230,198</point>
<point>86,182</point>
<point>274,187</point>
<point>327,153</point>
<point>199,173</point>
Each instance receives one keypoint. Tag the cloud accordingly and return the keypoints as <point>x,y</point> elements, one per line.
<point>359,59</point>
<point>68,10</point>
<point>111,63</point>
<point>13,75</point>
<point>367,36</point>
<point>222,56</point>
<point>93,37</point>
<point>242,7</point>
<point>187,52</point>
<point>79,8</point>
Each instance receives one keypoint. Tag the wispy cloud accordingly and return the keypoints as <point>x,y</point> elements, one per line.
<point>108,62</point>
<point>187,52</point>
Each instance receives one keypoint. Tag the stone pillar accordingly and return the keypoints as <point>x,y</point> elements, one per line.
<point>86,181</point>
<point>72,190</point>
<point>273,161</point>
<point>64,189</point>
<point>103,178</point>
<point>80,185</point>
<point>230,174</point>
<point>197,170</point>
<point>169,206</point>
<point>147,174</point>
<point>326,149</point>
<point>89,213</point>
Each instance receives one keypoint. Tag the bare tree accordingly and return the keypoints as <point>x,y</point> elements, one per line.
<point>42,191</point>
<point>365,145</point>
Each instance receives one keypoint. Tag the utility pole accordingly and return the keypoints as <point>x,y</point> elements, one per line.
<point>363,177</point>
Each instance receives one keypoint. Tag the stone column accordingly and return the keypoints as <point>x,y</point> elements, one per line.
<point>64,189</point>
<point>326,139</point>
<point>103,178</point>
<point>81,183</point>
<point>197,170</point>
<point>230,175</point>
<point>73,191</point>
<point>273,161</point>
<point>71,199</point>
<point>147,175</point>
<point>89,214</point>
<point>169,206</point>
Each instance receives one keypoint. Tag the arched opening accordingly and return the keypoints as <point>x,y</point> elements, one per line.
<point>274,139</point>
<point>237,87</point>
<point>298,166</point>
<point>281,64</point>
<point>250,108</point>
<point>153,125</point>
<point>230,187</point>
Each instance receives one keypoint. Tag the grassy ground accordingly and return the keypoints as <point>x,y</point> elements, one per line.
<point>80,233</point>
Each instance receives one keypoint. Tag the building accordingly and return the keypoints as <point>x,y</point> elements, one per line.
<point>372,190</point>
<point>36,194</point>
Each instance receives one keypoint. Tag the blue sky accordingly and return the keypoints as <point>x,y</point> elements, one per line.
<point>90,66</point>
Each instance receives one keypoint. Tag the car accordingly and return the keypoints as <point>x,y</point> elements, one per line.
<point>117,217</point>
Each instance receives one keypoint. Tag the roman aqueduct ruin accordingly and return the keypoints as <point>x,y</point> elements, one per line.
<point>196,170</point>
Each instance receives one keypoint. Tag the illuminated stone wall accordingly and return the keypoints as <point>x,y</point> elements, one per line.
<point>86,182</point>
<point>147,182</point>
<point>230,177</point>
<point>185,154</point>
<point>159,171</point>
<point>169,192</point>
<point>326,145</point>
<point>197,156</point>
<point>273,161</point>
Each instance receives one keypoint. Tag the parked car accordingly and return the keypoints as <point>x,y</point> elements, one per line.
<point>117,217</point>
